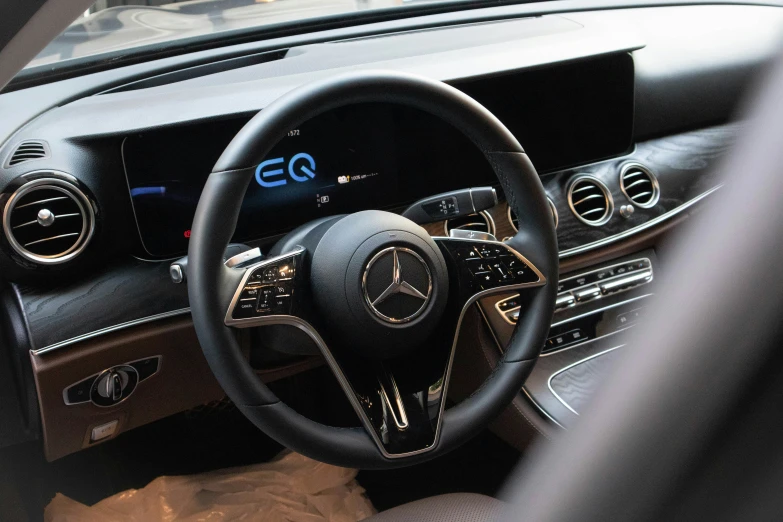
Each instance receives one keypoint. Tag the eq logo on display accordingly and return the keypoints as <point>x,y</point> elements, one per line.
<point>301,168</point>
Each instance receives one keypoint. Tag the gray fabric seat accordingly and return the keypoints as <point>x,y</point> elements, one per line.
<point>454,507</point>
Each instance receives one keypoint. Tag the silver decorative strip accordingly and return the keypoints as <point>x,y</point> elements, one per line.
<point>635,230</point>
<point>577,363</point>
<point>110,329</point>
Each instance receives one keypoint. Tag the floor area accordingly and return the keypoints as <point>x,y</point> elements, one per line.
<point>220,437</point>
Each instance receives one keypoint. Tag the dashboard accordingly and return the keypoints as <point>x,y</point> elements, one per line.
<point>634,107</point>
<point>379,156</point>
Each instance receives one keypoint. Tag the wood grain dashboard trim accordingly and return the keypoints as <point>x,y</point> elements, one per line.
<point>637,229</point>
<point>110,329</point>
<point>563,255</point>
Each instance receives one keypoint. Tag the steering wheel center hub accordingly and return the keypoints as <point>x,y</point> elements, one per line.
<point>380,280</point>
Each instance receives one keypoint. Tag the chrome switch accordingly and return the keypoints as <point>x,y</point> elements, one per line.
<point>564,301</point>
<point>114,385</point>
<point>586,293</point>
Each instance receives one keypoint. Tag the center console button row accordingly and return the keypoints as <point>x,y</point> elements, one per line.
<point>564,301</point>
<point>597,276</point>
<point>626,282</point>
<point>628,318</point>
<point>587,293</point>
<point>564,339</point>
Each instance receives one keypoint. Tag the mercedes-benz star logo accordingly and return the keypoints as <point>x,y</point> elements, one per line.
<point>403,296</point>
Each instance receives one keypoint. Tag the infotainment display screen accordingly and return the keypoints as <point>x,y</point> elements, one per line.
<point>378,156</point>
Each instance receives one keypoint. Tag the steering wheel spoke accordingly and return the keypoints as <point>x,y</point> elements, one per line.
<point>400,402</point>
<point>268,290</point>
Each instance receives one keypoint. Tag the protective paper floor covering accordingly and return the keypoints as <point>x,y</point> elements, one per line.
<point>291,488</point>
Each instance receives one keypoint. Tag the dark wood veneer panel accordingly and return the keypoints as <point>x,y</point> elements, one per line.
<point>119,293</point>
<point>684,165</point>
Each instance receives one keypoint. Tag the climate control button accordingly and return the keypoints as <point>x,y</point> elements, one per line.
<point>587,293</point>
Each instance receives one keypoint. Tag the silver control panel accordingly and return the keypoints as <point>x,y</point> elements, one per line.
<point>588,286</point>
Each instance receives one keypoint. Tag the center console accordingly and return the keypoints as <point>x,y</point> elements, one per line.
<point>595,307</point>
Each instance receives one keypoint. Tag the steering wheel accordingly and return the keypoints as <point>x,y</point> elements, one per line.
<point>380,297</point>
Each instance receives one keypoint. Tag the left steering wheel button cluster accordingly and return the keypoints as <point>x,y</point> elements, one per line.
<point>267,290</point>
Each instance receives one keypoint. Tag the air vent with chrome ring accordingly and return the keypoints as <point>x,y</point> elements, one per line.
<point>48,221</point>
<point>590,200</point>
<point>639,185</point>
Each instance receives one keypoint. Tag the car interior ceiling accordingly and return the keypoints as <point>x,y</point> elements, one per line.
<point>416,242</point>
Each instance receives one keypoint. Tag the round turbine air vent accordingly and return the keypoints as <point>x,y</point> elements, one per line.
<point>48,221</point>
<point>481,222</point>
<point>639,185</point>
<point>590,200</point>
<point>514,220</point>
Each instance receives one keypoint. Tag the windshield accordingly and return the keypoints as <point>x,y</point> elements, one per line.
<point>118,25</point>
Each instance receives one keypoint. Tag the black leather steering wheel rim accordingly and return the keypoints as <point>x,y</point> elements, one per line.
<point>210,282</point>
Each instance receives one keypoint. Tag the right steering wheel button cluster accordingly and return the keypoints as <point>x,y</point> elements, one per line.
<point>487,265</point>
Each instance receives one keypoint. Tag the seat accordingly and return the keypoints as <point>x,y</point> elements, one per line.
<point>454,507</point>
